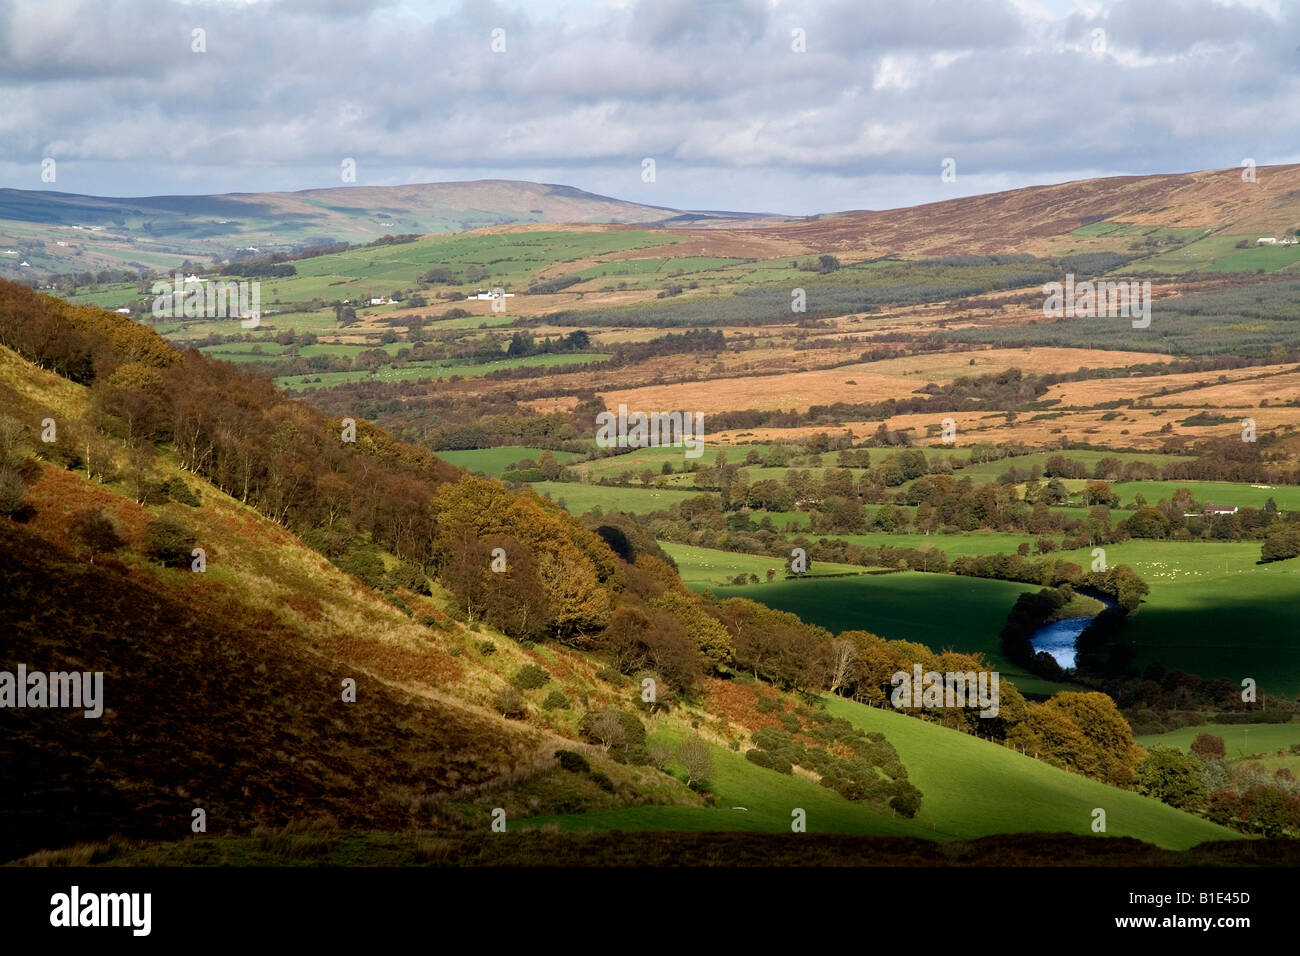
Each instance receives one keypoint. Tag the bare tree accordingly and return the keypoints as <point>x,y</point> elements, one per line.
<point>695,757</point>
<point>660,754</point>
<point>843,656</point>
<point>608,729</point>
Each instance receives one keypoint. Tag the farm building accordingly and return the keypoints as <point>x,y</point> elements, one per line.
<point>1266,241</point>
<point>1212,510</point>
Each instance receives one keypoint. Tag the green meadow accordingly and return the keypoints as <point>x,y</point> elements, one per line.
<point>1286,497</point>
<point>954,545</point>
<point>493,461</point>
<point>579,499</point>
<point>1213,609</point>
<point>654,458</point>
<point>417,371</point>
<point>709,566</point>
<point>970,788</point>
<point>1239,740</point>
<point>991,470</point>
<point>941,611</point>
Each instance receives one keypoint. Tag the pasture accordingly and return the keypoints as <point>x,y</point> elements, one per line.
<point>493,461</point>
<point>709,566</point>
<point>970,788</point>
<point>941,611</point>
<point>578,498</point>
<point>1239,740</point>
<point>1213,610</point>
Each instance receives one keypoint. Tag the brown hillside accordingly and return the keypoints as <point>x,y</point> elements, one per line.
<point>1036,219</point>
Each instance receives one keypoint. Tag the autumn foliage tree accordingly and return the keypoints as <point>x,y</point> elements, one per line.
<point>97,532</point>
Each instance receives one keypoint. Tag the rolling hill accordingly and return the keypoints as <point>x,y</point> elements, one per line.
<point>63,232</point>
<point>223,687</point>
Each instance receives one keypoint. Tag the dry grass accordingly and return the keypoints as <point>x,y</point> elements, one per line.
<point>1141,425</point>
<point>861,382</point>
<point>1251,392</point>
<point>1096,391</point>
<point>79,854</point>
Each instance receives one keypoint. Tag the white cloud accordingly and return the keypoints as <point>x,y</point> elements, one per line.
<point>1011,88</point>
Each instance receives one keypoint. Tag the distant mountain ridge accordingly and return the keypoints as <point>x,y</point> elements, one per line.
<point>64,232</point>
<point>55,232</point>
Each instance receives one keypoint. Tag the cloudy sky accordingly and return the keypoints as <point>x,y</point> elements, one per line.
<point>1014,92</point>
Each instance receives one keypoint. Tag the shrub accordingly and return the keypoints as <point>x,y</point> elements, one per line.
<point>13,492</point>
<point>555,700</point>
<point>572,761</point>
<point>530,677</point>
<point>907,801</point>
<point>487,648</point>
<point>408,577</point>
<point>1208,746</point>
<point>611,677</point>
<point>177,490</point>
<point>364,564</point>
<point>620,732</point>
<point>760,757</point>
<point>602,781</point>
<point>98,531</point>
<point>509,702</point>
<point>168,542</point>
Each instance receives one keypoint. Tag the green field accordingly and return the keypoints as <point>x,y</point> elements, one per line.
<point>509,260</point>
<point>700,566</point>
<point>1213,610</point>
<point>974,787</point>
<point>416,371</point>
<point>990,470</point>
<point>1268,258</point>
<point>1239,740</point>
<point>954,545</point>
<point>788,521</point>
<point>579,498</point>
<point>1196,256</point>
<point>653,458</point>
<point>970,788</point>
<point>1286,497</point>
<point>493,461</point>
<point>765,798</point>
<point>939,610</point>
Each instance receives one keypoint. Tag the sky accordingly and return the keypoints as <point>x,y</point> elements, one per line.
<point>754,105</point>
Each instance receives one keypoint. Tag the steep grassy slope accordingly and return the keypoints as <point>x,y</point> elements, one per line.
<point>210,704</point>
<point>972,788</point>
<point>224,688</point>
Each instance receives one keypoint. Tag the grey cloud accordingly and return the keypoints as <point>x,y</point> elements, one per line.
<point>712,91</point>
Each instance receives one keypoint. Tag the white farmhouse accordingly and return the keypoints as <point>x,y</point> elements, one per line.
<point>1266,241</point>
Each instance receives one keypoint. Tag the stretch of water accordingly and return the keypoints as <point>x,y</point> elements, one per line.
<point>1057,638</point>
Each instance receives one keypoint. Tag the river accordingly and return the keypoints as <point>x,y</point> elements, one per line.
<point>1057,638</point>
